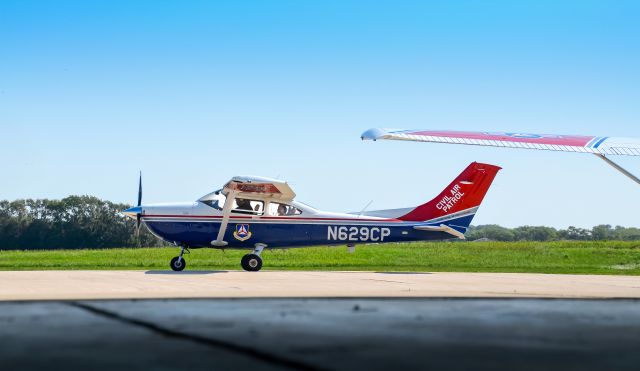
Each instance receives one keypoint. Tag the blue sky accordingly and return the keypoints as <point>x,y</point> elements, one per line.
<point>195,92</point>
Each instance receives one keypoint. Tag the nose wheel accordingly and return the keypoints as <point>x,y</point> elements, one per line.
<point>253,262</point>
<point>178,263</point>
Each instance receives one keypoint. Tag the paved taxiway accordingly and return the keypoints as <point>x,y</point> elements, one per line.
<point>82,285</point>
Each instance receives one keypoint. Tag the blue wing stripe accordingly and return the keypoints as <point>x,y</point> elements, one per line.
<point>600,142</point>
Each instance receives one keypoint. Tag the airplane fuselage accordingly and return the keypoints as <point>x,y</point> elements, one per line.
<point>197,225</point>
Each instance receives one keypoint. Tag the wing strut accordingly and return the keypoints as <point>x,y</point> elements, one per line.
<point>226,211</point>
<point>619,168</point>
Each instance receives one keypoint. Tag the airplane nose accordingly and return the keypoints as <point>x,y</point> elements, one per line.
<point>132,212</point>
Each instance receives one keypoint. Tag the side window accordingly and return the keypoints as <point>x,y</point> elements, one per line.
<point>278,209</point>
<point>246,206</point>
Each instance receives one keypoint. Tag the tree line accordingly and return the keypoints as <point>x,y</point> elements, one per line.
<point>603,232</point>
<point>79,222</point>
<point>74,222</point>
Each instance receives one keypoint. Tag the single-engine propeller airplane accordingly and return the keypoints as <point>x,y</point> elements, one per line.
<point>257,213</point>
<point>599,146</point>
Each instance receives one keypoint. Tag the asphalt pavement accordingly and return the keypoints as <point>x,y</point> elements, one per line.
<point>321,334</point>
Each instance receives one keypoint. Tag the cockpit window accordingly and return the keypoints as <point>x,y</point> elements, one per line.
<point>246,206</point>
<point>278,209</point>
<point>240,205</point>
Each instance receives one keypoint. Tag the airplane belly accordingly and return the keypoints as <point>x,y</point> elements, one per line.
<point>237,235</point>
<point>195,234</point>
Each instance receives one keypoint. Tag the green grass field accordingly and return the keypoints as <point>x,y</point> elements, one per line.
<point>621,258</point>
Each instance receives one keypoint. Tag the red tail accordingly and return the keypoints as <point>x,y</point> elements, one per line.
<point>466,192</point>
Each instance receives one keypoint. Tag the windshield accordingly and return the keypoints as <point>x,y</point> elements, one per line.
<point>216,201</point>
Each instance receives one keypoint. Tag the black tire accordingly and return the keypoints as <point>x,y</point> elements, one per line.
<point>251,263</point>
<point>178,266</point>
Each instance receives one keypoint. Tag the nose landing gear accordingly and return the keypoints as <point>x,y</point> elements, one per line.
<point>178,263</point>
<point>253,262</point>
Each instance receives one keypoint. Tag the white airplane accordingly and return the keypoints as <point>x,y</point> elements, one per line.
<point>599,146</point>
<point>256,213</point>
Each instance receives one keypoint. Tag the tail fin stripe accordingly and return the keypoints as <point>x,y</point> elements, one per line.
<point>453,216</point>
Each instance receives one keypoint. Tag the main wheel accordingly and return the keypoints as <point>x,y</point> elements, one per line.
<point>251,263</point>
<point>178,264</point>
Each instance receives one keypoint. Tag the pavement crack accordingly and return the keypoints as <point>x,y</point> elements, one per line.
<point>209,342</point>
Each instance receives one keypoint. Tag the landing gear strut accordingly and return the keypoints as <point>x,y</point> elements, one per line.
<point>178,263</point>
<point>253,262</point>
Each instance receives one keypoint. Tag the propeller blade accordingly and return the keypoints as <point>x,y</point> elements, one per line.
<point>138,222</point>
<point>138,215</point>
<point>140,190</point>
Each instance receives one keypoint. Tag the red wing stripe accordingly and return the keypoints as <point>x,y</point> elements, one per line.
<point>500,138</point>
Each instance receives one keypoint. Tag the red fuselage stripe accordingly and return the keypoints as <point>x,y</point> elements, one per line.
<point>267,217</point>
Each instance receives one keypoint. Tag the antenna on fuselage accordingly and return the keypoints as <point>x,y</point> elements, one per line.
<point>365,208</point>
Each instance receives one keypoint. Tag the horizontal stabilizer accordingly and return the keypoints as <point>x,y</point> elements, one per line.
<point>441,228</point>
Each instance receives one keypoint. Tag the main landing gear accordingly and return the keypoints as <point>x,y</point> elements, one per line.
<point>178,263</point>
<point>253,262</point>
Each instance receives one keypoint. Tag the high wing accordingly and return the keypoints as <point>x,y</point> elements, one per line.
<point>549,142</point>
<point>259,186</point>
<point>599,146</point>
<point>254,187</point>
<point>251,187</point>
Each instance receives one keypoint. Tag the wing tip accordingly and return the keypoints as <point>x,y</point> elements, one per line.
<point>372,134</point>
<point>375,134</point>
